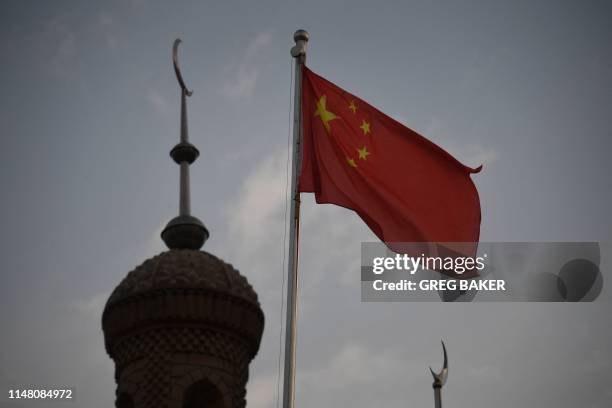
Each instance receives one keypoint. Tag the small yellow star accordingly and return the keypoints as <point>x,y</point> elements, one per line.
<point>351,162</point>
<point>352,106</point>
<point>365,126</point>
<point>363,153</point>
<point>322,112</point>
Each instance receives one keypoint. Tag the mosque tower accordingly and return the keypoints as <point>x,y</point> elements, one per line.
<point>183,326</point>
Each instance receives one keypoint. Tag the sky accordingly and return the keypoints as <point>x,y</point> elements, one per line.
<point>89,110</point>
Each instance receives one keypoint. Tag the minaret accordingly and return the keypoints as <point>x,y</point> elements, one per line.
<point>183,326</point>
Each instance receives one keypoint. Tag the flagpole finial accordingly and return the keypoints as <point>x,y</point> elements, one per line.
<point>300,37</point>
<point>184,231</point>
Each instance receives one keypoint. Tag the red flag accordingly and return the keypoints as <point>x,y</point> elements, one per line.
<point>405,188</point>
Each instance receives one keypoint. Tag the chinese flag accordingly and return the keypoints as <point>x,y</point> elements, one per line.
<point>405,188</point>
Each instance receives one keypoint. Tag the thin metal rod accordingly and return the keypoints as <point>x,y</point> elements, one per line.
<point>185,196</point>
<point>184,193</point>
<point>185,199</point>
<point>184,132</point>
<point>299,53</point>
<point>438,397</point>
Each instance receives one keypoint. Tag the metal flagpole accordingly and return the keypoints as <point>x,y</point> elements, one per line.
<point>299,53</point>
<point>440,380</point>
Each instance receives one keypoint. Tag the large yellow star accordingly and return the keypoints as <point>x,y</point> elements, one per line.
<point>363,153</point>
<point>365,126</point>
<point>351,162</point>
<point>352,106</point>
<point>322,112</point>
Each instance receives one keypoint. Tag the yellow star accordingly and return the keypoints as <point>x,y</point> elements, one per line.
<point>322,112</point>
<point>365,126</point>
<point>352,106</point>
<point>363,153</point>
<point>351,162</point>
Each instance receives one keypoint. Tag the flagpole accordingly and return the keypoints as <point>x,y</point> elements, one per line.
<point>299,53</point>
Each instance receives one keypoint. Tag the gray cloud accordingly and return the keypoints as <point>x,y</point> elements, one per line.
<point>61,43</point>
<point>242,76</point>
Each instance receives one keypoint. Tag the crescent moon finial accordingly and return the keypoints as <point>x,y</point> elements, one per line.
<point>177,70</point>
<point>440,378</point>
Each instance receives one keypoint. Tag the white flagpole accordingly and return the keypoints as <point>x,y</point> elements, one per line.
<point>299,53</point>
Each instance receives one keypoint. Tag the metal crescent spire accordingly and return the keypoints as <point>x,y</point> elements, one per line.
<point>177,70</point>
<point>184,231</point>
<point>440,378</point>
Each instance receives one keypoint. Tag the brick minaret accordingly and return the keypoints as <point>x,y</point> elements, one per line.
<point>182,327</point>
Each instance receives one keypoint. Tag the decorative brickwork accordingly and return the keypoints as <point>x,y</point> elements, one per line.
<point>182,324</point>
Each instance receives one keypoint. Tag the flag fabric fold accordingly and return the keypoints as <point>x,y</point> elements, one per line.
<point>405,188</point>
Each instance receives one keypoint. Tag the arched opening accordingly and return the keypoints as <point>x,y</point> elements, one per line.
<point>203,394</point>
<point>124,400</point>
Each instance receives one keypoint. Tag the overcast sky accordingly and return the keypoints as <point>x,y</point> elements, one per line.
<point>89,111</point>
